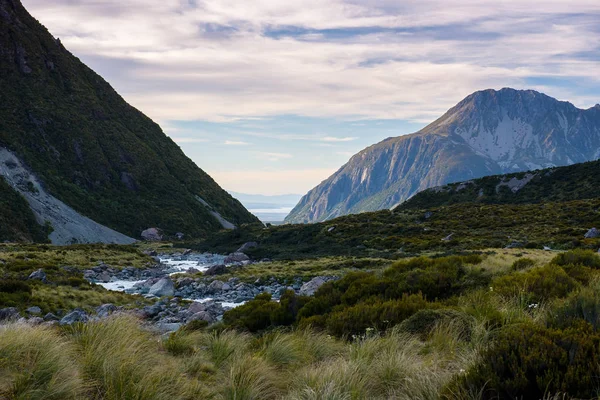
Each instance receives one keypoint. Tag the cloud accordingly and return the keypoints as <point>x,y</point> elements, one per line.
<point>274,156</point>
<point>188,140</point>
<point>222,60</point>
<point>336,139</point>
<point>235,143</point>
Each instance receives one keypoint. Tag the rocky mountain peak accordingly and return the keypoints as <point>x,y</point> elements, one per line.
<point>489,132</point>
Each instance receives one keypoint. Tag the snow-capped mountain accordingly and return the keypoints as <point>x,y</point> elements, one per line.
<point>489,132</point>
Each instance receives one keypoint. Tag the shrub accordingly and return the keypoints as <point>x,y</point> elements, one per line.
<point>528,361</point>
<point>522,263</point>
<point>582,305</point>
<point>378,315</point>
<point>550,281</point>
<point>424,321</point>
<point>578,257</point>
<point>14,286</point>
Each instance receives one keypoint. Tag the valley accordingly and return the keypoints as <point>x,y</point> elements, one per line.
<point>458,262</point>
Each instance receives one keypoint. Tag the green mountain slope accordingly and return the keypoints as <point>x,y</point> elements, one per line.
<point>17,222</point>
<point>575,182</point>
<point>90,148</point>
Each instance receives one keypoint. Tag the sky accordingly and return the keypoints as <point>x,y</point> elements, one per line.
<point>273,96</point>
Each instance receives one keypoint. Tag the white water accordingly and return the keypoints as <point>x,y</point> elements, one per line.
<point>118,286</point>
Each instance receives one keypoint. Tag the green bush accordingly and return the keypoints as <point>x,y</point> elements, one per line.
<point>522,263</point>
<point>528,362</point>
<point>424,321</point>
<point>377,315</point>
<point>14,286</point>
<point>578,257</point>
<point>543,283</point>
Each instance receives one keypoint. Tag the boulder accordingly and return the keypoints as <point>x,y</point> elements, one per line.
<point>448,238</point>
<point>152,235</point>
<point>310,287</point>
<point>331,229</point>
<point>151,311</point>
<point>9,314</point>
<point>179,236</point>
<point>203,316</point>
<point>35,310</point>
<point>35,321</point>
<point>216,270</point>
<point>74,316</point>
<point>38,275</point>
<point>166,327</point>
<point>215,286</point>
<point>247,246</point>
<point>163,287</point>
<point>235,258</point>
<point>105,310</point>
<point>592,234</point>
<point>51,317</point>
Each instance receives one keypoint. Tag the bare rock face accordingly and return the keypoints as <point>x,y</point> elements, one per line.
<point>152,235</point>
<point>310,287</point>
<point>488,133</point>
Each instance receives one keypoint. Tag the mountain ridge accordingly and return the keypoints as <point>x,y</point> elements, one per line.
<point>488,133</point>
<point>92,150</point>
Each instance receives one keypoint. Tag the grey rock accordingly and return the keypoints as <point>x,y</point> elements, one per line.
<point>310,287</point>
<point>331,229</point>
<point>151,311</point>
<point>247,246</point>
<point>226,287</point>
<point>35,321</point>
<point>179,236</point>
<point>105,310</point>
<point>38,275</point>
<point>203,316</point>
<point>166,327</point>
<point>35,310</point>
<point>152,235</point>
<point>9,314</point>
<point>74,316</point>
<point>592,234</point>
<point>236,258</point>
<point>51,317</point>
<point>163,287</point>
<point>448,238</point>
<point>215,286</point>
<point>216,270</point>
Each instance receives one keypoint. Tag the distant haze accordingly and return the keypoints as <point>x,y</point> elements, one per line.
<point>268,208</point>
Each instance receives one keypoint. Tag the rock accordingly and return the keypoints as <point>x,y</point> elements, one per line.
<point>39,275</point>
<point>51,317</point>
<point>152,235</point>
<point>236,257</point>
<point>515,245</point>
<point>9,314</point>
<point>203,316</point>
<point>151,311</point>
<point>184,282</point>
<point>247,246</point>
<point>592,234</point>
<point>35,321</point>
<point>331,229</point>
<point>215,286</point>
<point>216,270</point>
<point>546,248</point>
<point>179,236</point>
<point>74,316</point>
<point>226,287</point>
<point>310,287</point>
<point>448,238</point>
<point>163,287</point>
<point>166,327</point>
<point>35,310</point>
<point>105,310</point>
<point>428,215</point>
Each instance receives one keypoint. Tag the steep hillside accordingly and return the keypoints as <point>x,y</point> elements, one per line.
<point>490,132</point>
<point>92,150</point>
<point>575,182</point>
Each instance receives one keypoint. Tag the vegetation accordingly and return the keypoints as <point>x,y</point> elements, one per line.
<point>66,289</point>
<point>90,148</point>
<point>402,233</point>
<point>17,222</point>
<point>573,182</point>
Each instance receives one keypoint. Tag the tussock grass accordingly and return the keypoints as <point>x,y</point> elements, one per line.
<point>37,363</point>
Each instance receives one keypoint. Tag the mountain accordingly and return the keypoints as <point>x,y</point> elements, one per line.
<point>88,163</point>
<point>560,184</point>
<point>489,132</point>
